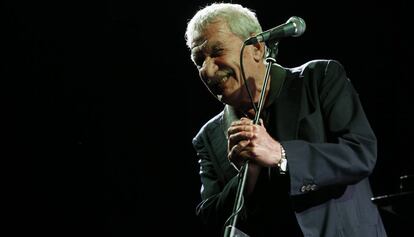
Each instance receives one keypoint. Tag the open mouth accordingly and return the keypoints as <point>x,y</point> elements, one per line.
<point>217,85</point>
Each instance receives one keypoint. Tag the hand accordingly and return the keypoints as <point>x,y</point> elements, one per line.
<point>250,141</point>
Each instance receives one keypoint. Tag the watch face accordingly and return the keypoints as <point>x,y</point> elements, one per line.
<point>283,165</point>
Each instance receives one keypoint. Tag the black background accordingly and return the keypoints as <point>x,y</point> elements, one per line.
<point>100,101</point>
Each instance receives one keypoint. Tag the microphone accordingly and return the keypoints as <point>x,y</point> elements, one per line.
<point>295,27</point>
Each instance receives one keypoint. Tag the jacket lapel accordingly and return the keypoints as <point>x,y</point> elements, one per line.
<point>218,142</point>
<point>287,108</point>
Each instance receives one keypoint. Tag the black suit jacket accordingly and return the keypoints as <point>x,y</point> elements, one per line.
<point>331,151</point>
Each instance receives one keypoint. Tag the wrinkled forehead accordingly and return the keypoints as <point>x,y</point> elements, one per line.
<point>216,29</point>
<point>198,46</point>
<point>198,40</point>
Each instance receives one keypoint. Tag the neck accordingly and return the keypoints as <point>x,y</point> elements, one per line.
<point>250,112</point>
<point>256,86</point>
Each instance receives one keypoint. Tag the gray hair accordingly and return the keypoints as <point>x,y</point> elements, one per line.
<point>240,20</point>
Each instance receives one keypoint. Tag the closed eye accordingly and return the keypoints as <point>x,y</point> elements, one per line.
<point>217,52</point>
<point>198,55</point>
<point>198,60</point>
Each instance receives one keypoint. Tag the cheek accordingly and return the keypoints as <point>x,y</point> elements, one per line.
<point>248,60</point>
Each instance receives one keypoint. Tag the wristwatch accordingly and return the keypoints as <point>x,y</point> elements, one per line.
<point>282,165</point>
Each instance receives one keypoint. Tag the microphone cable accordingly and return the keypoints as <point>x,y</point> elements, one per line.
<point>244,78</point>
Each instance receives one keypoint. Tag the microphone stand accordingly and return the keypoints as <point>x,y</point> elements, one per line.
<point>231,230</point>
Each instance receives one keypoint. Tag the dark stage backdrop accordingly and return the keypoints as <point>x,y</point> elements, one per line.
<point>100,102</point>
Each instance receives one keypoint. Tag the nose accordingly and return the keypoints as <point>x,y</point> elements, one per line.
<point>208,69</point>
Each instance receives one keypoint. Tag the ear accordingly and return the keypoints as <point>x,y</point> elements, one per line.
<point>258,51</point>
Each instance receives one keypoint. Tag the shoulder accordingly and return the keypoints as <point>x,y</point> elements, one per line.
<point>317,66</point>
<point>211,125</point>
<point>320,72</point>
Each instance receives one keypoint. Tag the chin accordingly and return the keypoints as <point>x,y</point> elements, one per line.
<point>225,100</point>
<point>228,102</point>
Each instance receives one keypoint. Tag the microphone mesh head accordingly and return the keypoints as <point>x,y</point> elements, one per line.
<point>300,25</point>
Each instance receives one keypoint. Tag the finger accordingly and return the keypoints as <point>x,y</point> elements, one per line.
<point>234,154</point>
<point>244,153</point>
<point>240,136</point>
<point>242,121</point>
<point>240,128</point>
<point>262,124</point>
<point>236,149</point>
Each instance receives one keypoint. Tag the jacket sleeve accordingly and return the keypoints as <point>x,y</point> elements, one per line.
<point>348,153</point>
<point>217,195</point>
